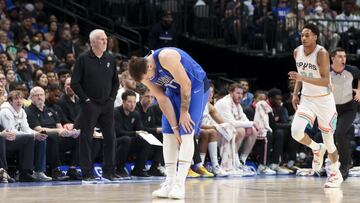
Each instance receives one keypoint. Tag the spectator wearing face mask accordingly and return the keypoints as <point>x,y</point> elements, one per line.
<point>34,55</point>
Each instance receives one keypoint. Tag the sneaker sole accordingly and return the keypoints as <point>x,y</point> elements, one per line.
<point>176,197</point>
<point>159,196</point>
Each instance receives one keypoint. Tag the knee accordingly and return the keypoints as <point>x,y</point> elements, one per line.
<point>204,135</point>
<point>124,140</point>
<point>240,132</point>
<point>186,149</point>
<point>213,134</point>
<point>297,132</point>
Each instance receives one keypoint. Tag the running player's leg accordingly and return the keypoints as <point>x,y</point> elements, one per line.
<point>327,119</point>
<point>303,117</point>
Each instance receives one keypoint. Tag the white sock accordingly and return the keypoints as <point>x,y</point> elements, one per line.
<point>182,172</point>
<point>213,153</point>
<point>237,160</point>
<point>170,172</point>
<point>202,155</point>
<point>186,154</point>
<point>314,145</point>
<point>171,153</point>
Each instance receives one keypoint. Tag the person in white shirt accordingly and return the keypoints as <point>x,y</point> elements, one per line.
<point>126,83</point>
<point>317,102</point>
<point>13,118</point>
<point>230,109</point>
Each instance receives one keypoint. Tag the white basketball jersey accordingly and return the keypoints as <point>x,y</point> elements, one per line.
<point>307,66</point>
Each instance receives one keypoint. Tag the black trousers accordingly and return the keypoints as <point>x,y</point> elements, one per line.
<point>57,146</point>
<point>23,145</point>
<point>276,142</point>
<point>291,146</point>
<point>156,153</point>
<point>91,115</point>
<point>346,116</point>
<point>128,145</point>
<point>196,156</point>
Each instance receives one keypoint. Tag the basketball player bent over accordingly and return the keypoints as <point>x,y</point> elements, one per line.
<point>317,101</point>
<point>181,88</point>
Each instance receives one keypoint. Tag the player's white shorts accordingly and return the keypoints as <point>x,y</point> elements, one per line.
<point>323,108</point>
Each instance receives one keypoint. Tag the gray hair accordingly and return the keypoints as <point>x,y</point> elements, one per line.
<point>36,89</point>
<point>93,34</point>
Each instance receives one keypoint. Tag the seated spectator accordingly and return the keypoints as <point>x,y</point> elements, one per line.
<point>49,63</point>
<point>52,78</point>
<point>25,92</point>
<point>41,80</point>
<point>287,98</point>
<point>34,55</point>
<point>4,41</point>
<point>209,136</point>
<point>65,46</point>
<point>23,31</point>
<point>69,63</point>
<point>44,119</point>
<point>13,118</point>
<point>63,74</point>
<point>69,103</point>
<point>281,126</point>
<point>248,96</point>
<point>7,143</point>
<point>230,109</point>
<point>126,83</point>
<point>69,144</point>
<point>23,70</point>
<point>127,128</point>
<point>147,115</point>
<point>259,112</point>
<point>52,36</point>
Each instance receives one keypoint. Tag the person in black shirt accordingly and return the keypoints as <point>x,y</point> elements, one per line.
<point>127,127</point>
<point>70,143</point>
<point>281,133</point>
<point>69,102</point>
<point>148,118</point>
<point>45,120</point>
<point>95,81</point>
<point>163,33</point>
<point>343,76</point>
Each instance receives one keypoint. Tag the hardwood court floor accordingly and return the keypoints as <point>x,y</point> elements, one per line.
<point>280,189</point>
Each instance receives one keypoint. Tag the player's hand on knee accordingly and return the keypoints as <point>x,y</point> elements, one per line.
<point>186,123</point>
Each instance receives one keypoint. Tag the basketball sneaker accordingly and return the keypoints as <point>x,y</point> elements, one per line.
<point>178,191</point>
<point>203,172</point>
<point>219,172</point>
<point>318,158</point>
<point>335,178</point>
<point>192,174</point>
<point>163,192</point>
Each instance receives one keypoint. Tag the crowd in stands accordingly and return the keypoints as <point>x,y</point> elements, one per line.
<point>39,110</point>
<point>279,22</point>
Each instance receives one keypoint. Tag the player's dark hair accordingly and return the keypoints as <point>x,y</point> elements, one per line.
<point>137,68</point>
<point>314,29</point>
